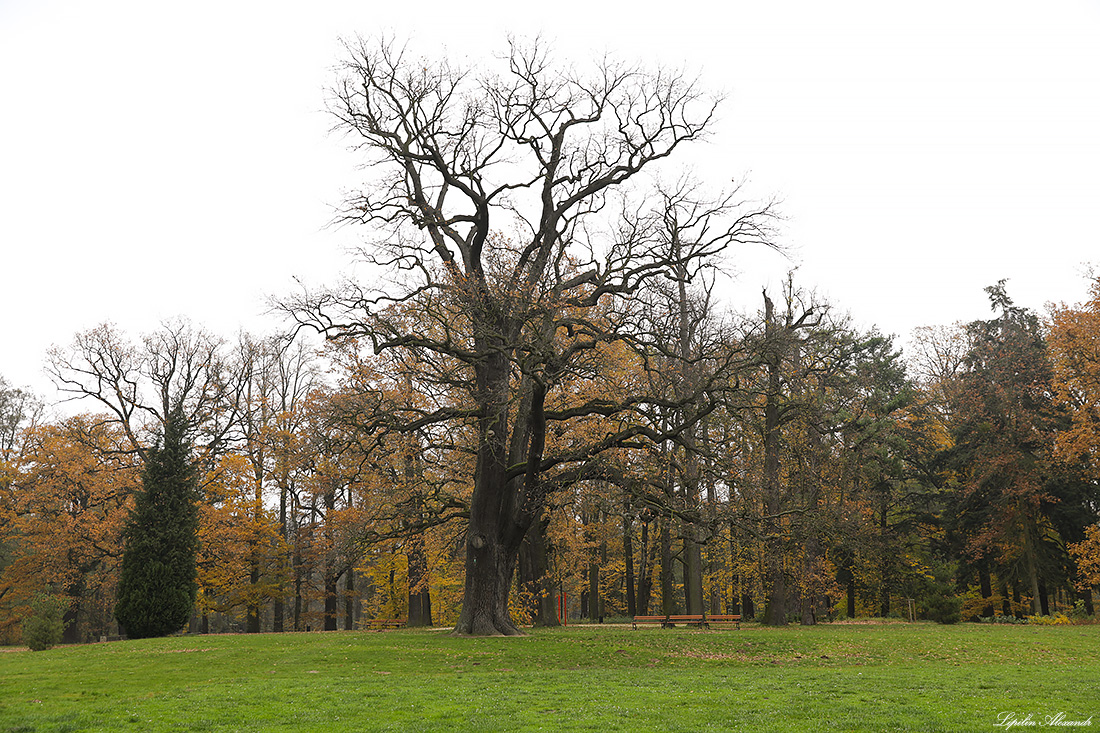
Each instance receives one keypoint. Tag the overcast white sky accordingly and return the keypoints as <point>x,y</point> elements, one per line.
<point>163,159</point>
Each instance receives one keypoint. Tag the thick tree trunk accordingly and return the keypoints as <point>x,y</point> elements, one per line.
<point>490,565</point>
<point>494,534</point>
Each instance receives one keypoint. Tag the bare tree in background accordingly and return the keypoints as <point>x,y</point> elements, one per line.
<point>140,384</point>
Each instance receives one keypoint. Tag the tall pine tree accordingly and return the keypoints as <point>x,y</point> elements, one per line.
<point>157,586</point>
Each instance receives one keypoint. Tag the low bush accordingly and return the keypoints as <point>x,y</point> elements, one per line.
<point>44,627</point>
<point>1056,620</point>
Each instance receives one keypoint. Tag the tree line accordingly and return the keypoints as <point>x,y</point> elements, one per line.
<point>831,477</point>
<point>534,399</point>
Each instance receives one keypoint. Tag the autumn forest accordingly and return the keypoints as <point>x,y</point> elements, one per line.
<point>537,409</point>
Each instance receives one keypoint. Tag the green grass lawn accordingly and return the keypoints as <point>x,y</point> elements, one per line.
<point>918,677</point>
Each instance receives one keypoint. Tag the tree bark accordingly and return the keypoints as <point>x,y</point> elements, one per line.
<point>645,577</point>
<point>331,600</point>
<point>284,561</point>
<point>494,534</point>
<point>628,558</point>
<point>534,568</point>
<point>349,600</point>
<point>693,572</point>
<point>986,585</point>
<point>775,610</point>
<point>420,599</point>
<point>668,601</point>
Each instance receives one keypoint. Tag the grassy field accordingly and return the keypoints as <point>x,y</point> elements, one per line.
<point>917,677</point>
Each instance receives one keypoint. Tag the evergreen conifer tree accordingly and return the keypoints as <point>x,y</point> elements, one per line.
<point>158,583</point>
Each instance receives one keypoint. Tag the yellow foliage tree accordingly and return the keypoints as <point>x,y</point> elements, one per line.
<point>70,493</point>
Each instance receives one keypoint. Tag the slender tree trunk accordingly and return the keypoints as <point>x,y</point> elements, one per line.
<point>693,572</point>
<point>1033,572</point>
<point>331,599</point>
<point>349,600</point>
<point>420,600</point>
<point>1086,597</point>
<point>277,610</point>
<point>986,585</point>
<point>775,612</point>
<point>668,601</point>
<point>811,550</point>
<point>713,553</point>
<point>595,602</point>
<point>628,558</point>
<point>645,578</point>
<point>252,619</point>
<point>886,562</point>
<point>735,575</point>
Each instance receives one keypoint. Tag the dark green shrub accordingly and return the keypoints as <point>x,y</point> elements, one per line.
<point>936,595</point>
<point>44,627</point>
<point>944,609</point>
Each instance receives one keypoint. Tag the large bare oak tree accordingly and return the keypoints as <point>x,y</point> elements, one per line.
<point>513,223</point>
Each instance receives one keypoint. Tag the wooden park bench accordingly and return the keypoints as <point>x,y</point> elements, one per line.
<point>724,620</point>
<point>669,621</point>
<point>696,619</point>
<point>700,620</point>
<point>385,623</point>
<point>648,620</point>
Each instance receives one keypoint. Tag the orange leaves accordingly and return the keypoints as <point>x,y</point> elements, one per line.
<point>240,542</point>
<point>70,494</point>
<point>1074,337</point>
<point>1087,554</point>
